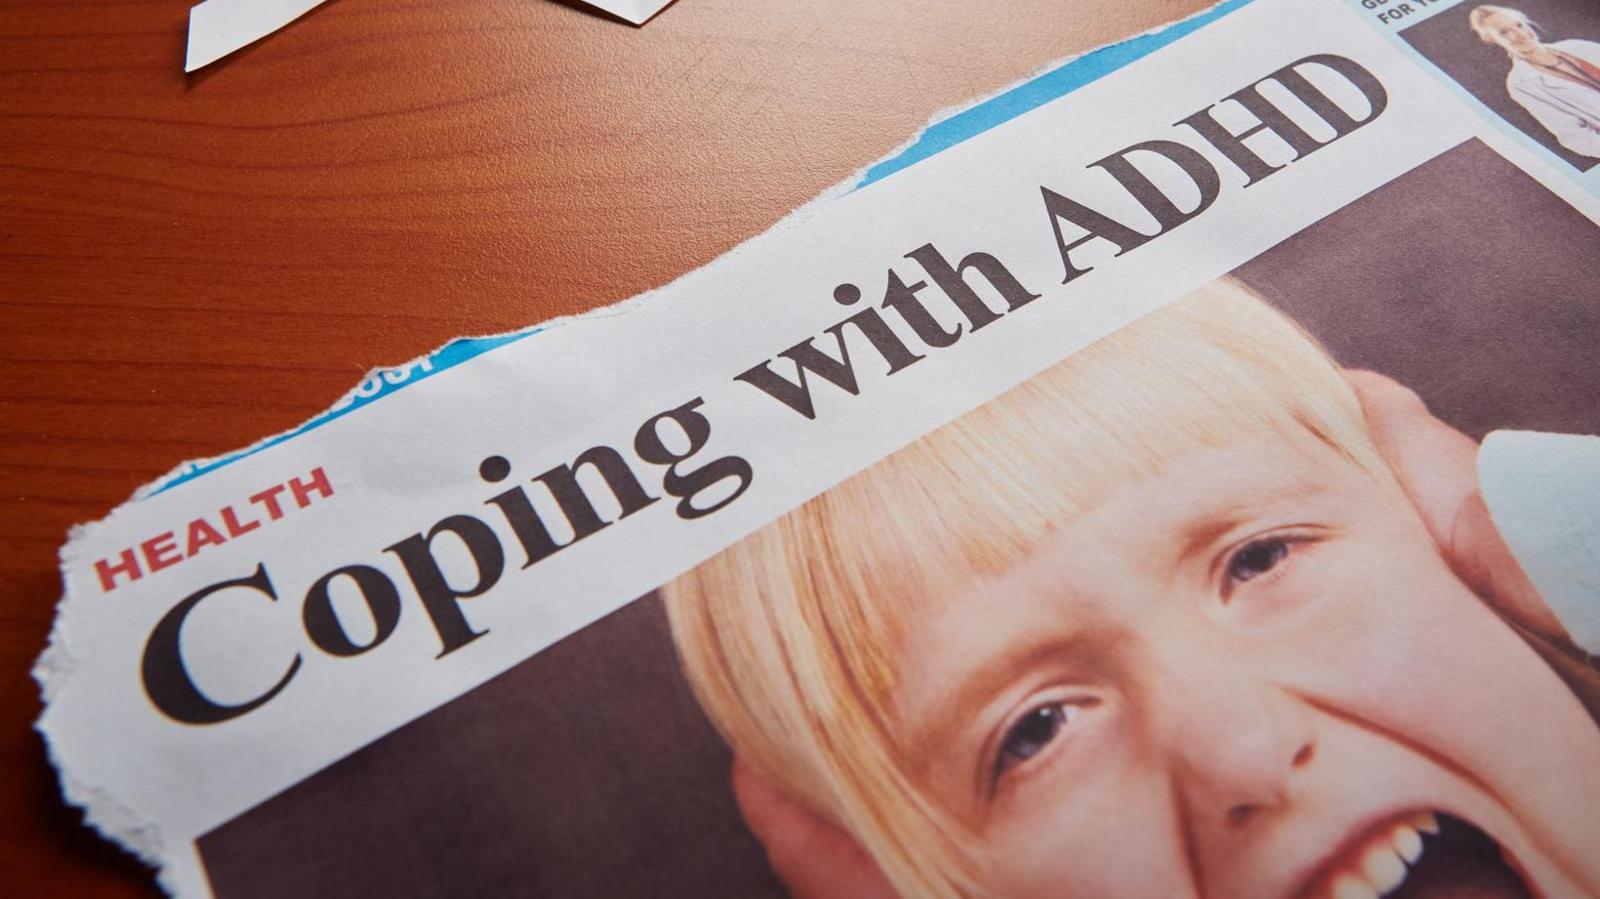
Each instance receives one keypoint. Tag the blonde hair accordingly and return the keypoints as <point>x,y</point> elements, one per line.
<point>1479,20</point>
<point>789,636</point>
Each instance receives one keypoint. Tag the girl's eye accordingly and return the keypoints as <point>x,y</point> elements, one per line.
<point>1256,558</point>
<point>1033,732</point>
<point>1029,736</point>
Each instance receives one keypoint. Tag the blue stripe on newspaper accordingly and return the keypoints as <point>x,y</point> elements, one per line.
<point>1038,91</point>
<point>941,135</point>
<point>378,384</point>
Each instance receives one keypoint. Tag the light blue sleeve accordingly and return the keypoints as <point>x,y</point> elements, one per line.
<point>1543,492</point>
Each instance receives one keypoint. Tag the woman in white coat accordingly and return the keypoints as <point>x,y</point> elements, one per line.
<point>1557,82</point>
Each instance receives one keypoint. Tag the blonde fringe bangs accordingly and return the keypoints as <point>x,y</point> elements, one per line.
<point>788,637</point>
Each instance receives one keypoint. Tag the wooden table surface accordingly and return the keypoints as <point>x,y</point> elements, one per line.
<point>188,264</point>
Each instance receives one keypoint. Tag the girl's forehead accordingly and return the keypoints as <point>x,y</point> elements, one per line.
<point>1191,500</point>
<point>1151,520</point>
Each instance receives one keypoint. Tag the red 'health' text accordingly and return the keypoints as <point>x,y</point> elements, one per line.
<point>171,547</point>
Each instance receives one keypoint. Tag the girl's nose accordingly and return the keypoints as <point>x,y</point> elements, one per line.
<point>1237,747</point>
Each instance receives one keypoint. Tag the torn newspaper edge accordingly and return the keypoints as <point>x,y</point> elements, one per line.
<point>219,27</point>
<point>399,652</point>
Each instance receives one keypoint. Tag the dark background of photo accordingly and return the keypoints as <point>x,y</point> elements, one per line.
<point>1465,280</point>
<point>1448,41</point>
<point>588,770</point>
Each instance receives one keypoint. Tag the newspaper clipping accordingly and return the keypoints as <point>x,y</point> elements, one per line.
<point>1178,483</point>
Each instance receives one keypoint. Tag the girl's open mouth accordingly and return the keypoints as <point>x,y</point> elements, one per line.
<point>1426,855</point>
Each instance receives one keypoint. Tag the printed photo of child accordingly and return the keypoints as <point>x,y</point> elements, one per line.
<point>1187,614</point>
<point>1536,64</point>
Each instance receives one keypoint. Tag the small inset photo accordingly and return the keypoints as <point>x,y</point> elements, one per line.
<point>1536,63</point>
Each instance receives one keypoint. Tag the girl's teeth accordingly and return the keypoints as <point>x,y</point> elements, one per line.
<point>1383,868</point>
<point>1408,843</point>
<point>1427,822</point>
<point>1382,865</point>
<point>1349,886</point>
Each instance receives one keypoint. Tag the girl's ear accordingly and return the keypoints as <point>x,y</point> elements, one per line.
<point>813,857</point>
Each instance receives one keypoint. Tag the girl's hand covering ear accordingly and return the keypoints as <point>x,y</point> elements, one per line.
<point>813,858</point>
<point>1437,467</point>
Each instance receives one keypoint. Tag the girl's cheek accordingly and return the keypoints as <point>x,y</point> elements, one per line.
<point>1393,632</point>
<point>1101,832</point>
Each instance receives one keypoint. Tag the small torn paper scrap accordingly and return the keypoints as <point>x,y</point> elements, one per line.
<point>219,27</point>
<point>636,11</point>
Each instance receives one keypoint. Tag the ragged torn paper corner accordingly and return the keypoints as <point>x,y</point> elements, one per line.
<point>219,27</point>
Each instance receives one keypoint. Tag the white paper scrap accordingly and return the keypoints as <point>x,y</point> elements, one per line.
<point>219,27</point>
<point>636,11</point>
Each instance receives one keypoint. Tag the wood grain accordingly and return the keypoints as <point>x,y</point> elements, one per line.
<point>190,263</point>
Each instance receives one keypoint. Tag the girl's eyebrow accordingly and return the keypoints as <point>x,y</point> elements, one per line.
<point>976,684</point>
<point>1200,534</point>
<point>1203,530</point>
